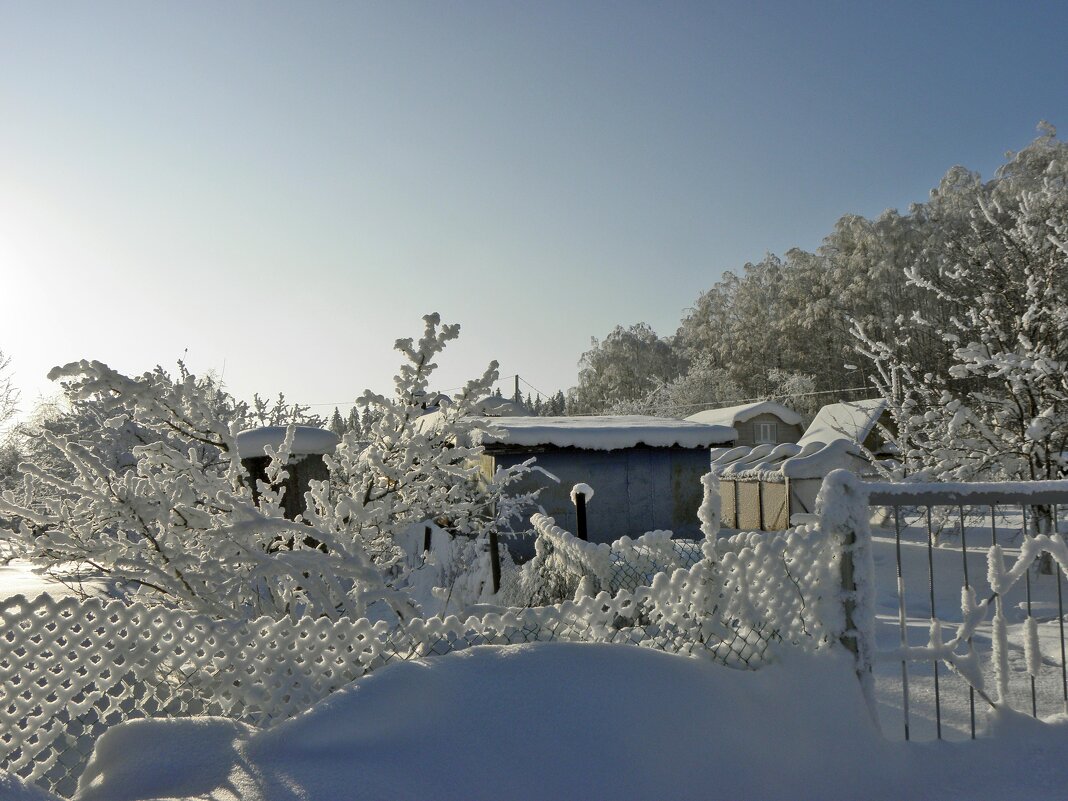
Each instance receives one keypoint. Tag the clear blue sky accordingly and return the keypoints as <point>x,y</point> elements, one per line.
<point>283,189</point>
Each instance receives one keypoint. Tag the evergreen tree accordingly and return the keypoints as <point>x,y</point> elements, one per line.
<point>337,424</point>
<point>353,422</point>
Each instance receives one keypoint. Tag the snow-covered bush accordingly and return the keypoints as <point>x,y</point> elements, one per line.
<point>158,500</point>
<point>414,466</point>
<point>173,517</point>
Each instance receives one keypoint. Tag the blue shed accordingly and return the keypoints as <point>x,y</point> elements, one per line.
<point>645,471</point>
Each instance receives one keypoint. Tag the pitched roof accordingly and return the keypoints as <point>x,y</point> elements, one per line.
<point>851,421</point>
<point>732,415</point>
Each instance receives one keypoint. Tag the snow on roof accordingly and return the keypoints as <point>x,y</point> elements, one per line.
<point>732,415</point>
<point>605,432</point>
<point>851,421</point>
<point>819,460</point>
<point>777,462</point>
<point>306,440</point>
<point>494,406</point>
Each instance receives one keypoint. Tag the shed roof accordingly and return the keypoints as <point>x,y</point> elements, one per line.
<point>851,421</point>
<point>605,432</point>
<point>306,440</point>
<point>732,415</point>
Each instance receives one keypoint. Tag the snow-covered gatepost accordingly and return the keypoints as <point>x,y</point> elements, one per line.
<point>842,506</point>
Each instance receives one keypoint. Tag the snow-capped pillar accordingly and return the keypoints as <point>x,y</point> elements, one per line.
<point>842,506</point>
<point>580,494</point>
<point>710,514</point>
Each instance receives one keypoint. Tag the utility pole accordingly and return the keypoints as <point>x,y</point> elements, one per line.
<point>517,399</point>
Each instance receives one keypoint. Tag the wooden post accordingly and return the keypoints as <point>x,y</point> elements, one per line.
<point>517,399</point>
<point>760,504</point>
<point>580,515</point>
<point>737,506</point>
<point>426,540</point>
<point>495,561</point>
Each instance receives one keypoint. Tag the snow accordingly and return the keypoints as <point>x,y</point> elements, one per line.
<point>581,489</point>
<point>13,789</point>
<point>820,461</point>
<point>605,432</point>
<point>494,406</point>
<point>19,577</point>
<point>253,442</point>
<point>851,421</point>
<point>831,442</point>
<point>565,720</point>
<point>732,415</point>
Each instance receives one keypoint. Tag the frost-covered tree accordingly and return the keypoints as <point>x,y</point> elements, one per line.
<point>9,395</point>
<point>353,421</point>
<point>178,522</point>
<point>9,450</point>
<point>163,505</point>
<point>409,466</point>
<point>999,286</point>
<point>706,386</point>
<point>627,365</point>
<point>337,423</point>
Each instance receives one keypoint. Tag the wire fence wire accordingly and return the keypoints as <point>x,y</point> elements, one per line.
<point>71,667</point>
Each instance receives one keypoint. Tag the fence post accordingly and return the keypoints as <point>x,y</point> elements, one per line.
<point>760,504</point>
<point>426,539</point>
<point>842,506</point>
<point>580,515</point>
<point>495,561</point>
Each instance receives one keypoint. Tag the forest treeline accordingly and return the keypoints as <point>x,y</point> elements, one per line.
<point>785,327</point>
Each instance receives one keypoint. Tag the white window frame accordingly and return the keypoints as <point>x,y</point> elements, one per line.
<point>765,433</point>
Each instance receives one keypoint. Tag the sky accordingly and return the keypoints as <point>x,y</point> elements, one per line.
<point>278,191</point>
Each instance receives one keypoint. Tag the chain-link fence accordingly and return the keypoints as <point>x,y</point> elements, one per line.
<point>71,668</point>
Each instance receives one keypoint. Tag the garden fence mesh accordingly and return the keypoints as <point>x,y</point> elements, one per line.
<point>71,667</point>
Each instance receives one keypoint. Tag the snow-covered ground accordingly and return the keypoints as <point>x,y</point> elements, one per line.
<point>563,720</point>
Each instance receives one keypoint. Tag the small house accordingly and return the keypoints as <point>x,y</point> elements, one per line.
<point>762,487</point>
<point>760,423</point>
<point>645,471</point>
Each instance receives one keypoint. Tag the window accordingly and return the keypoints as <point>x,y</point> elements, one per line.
<point>766,433</point>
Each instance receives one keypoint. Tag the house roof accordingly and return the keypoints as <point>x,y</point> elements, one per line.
<point>306,440</point>
<point>605,432</point>
<point>832,441</point>
<point>732,415</point>
<point>494,406</point>
<point>851,421</point>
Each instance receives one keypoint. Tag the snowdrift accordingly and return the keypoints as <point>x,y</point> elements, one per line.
<point>564,721</point>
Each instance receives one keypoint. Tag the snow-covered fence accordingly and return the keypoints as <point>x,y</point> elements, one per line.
<point>71,668</point>
<point>797,586</point>
<point>1005,612</point>
<point>563,561</point>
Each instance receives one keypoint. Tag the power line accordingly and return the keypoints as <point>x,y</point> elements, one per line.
<point>543,394</point>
